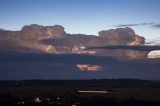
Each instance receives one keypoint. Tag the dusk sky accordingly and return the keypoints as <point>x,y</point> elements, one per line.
<point>83,16</point>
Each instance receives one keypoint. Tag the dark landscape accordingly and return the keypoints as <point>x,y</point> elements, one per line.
<point>125,92</point>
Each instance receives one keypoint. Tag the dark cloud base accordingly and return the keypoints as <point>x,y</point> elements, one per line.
<point>137,48</point>
<point>59,58</point>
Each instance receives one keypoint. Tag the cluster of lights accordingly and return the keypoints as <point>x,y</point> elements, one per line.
<point>37,100</point>
<point>21,103</point>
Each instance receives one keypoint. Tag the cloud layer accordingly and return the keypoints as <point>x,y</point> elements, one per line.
<point>153,25</point>
<point>156,25</point>
<point>130,25</point>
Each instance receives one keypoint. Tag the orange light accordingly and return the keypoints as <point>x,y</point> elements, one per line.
<point>86,67</point>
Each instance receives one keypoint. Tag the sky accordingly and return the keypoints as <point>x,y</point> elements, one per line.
<point>83,16</point>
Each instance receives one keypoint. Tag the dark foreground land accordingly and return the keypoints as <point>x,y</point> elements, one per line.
<point>113,92</point>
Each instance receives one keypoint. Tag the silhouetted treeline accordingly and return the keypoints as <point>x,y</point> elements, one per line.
<point>81,83</point>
